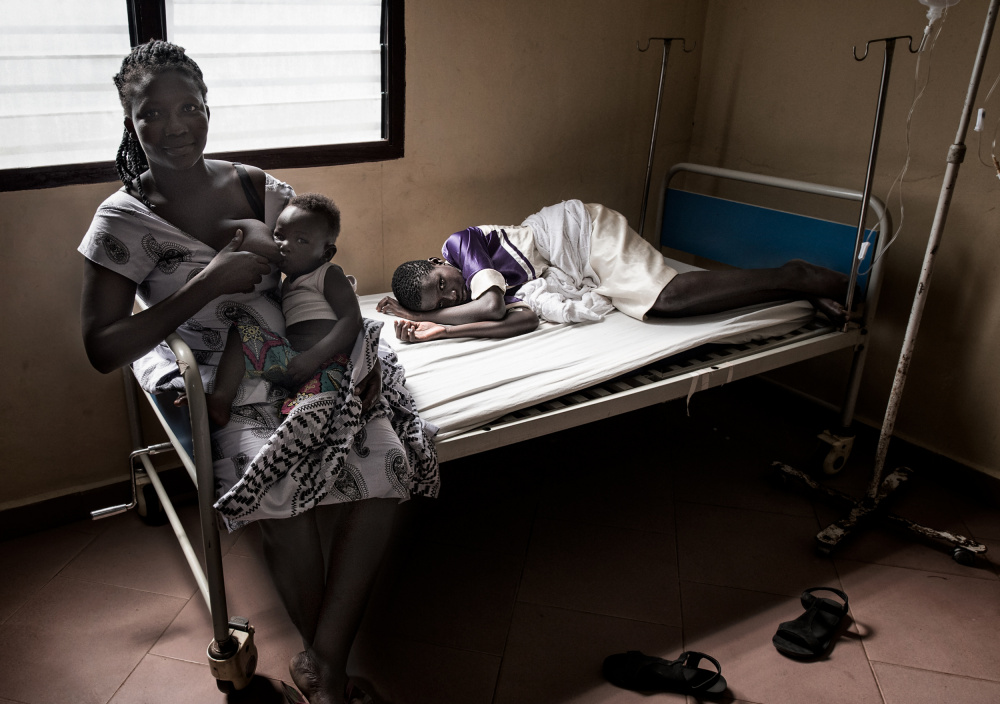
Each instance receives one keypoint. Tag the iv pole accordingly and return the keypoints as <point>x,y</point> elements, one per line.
<point>965,549</point>
<point>656,116</point>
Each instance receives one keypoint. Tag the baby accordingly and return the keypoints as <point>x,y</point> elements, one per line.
<point>321,310</point>
<point>595,261</point>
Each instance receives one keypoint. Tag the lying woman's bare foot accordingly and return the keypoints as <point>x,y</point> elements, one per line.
<point>832,309</point>
<point>312,679</point>
<point>814,280</point>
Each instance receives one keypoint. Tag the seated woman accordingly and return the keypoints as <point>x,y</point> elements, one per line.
<point>576,262</point>
<point>168,235</point>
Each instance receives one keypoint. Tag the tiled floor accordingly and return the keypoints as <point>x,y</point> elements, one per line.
<point>656,531</point>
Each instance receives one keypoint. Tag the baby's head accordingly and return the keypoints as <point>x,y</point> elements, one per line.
<point>427,284</point>
<point>306,233</point>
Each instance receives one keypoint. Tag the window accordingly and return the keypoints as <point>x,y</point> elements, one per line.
<point>294,83</point>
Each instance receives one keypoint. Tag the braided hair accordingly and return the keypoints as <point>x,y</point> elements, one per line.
<point>406,281</point>
<point>151,58</point>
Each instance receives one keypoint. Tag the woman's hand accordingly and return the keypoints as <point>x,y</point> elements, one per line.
<point>390,306</point>
<point>233,271</point>
<point>411,331</point>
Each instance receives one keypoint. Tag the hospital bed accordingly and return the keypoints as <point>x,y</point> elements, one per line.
<point>484,394</point>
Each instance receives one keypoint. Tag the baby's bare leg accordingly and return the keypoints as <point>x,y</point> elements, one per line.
<point>227,379</point>
<point>703,292</point>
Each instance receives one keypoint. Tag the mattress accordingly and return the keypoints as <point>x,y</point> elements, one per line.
<point>462,384</point>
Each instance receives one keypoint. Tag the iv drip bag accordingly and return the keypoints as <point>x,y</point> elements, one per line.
<point>935,8</point>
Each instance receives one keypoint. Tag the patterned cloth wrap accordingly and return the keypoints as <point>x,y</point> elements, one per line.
<point>329,378</point>
<point>267,355</point>
<point>310,446</point>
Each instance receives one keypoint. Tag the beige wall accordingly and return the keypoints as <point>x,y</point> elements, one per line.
<point>510,106</point>
<point>780,93</point>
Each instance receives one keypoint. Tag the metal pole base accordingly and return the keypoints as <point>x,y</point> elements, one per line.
<point>864,510</point>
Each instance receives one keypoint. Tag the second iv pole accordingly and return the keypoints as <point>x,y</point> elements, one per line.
<point>656,116</point>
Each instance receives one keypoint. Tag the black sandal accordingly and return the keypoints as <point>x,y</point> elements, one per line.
<point>646,673</point>
<point>812,633</point>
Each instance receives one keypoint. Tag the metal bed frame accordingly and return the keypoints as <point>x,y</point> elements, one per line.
<point>232,654</point>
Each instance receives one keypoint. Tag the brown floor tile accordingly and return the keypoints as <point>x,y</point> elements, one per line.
<point>735,626</point>
<point>925,619</point>
<point>158,680</point>
<point>449,596</point>
<point>250,594</point>
<point>134,555</point>
<point>29,562</point>
<point>473,519</point>
<point>555,655</point>
<point>410,672</point>
<point>983,520</point>
<point>728,473</point>
<point>77,641</point>
<point>750,549</point>
<point>905,685</point>
<point>603,570</point>
<point>625,489</point>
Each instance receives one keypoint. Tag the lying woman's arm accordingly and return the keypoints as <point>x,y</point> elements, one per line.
<point>517,322</point>
<point>490,306</point>
<point>113,337</point>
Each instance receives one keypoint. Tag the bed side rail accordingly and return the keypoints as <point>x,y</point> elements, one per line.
<point>822,255</point>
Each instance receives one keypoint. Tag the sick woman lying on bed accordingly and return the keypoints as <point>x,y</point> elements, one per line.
<point>575,262</point>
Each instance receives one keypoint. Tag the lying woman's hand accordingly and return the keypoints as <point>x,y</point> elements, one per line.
<point>412,331</point>
<point>233,271</point>
<point>390,306</point>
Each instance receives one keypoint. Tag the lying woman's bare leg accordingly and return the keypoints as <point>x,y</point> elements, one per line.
<point>702,292</point>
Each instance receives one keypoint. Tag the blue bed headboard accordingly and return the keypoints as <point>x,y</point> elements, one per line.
<point>750,236</point>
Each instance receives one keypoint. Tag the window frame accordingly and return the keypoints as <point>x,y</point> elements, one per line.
<point>147,18</point>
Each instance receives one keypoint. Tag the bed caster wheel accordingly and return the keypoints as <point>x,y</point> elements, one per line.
<point>225,686</point>
<point>234,663</point>
<point>963,556</point>
<point>838,449</point>
<point>149,507</point>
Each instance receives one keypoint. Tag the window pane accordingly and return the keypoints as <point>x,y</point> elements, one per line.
<point>57,58</point>
<point>285,74</point>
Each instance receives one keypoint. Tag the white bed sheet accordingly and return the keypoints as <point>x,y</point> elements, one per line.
<point>462,384</point>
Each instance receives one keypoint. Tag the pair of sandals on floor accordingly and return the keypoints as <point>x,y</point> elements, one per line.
<point>808,637</point>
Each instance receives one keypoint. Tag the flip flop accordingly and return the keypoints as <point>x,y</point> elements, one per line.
<point>812,633</point>
<point>646,673</point>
